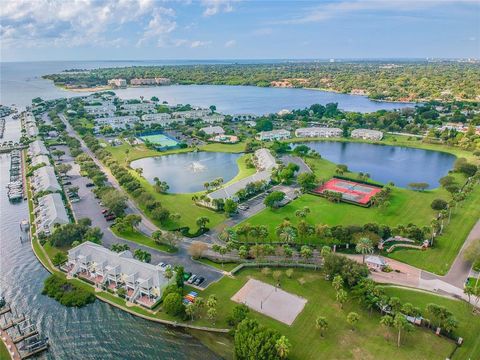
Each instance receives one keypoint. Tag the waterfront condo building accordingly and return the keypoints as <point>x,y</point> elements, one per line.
<point>213,130</point>
<point>49,212</point>
<point>117,83</point>
<point>273,135</point>
<point>324,132</point>
<point>144,283</point>
<point>367,134</point>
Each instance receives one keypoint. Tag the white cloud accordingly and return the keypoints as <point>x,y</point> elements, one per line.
<point>330,10</point>
<point>230,43</point>
<point>199,43</point>
<point>42,23</point>
<point>213,7</point>
<point>160,24</point>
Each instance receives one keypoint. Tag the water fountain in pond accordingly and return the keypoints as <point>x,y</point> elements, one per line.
<point>196,166</point>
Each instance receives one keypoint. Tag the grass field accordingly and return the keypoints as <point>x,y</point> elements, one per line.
<point>469,324</point>
<point>368,341</point>
<point>4,351</point>
<point>183,204</point>
<point>142,239</point>
<point>406,207</point>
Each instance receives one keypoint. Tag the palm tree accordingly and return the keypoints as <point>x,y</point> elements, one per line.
<point>321,324</point>
<point>337,283</point>
<point>364,246</point>
<point>341,297</point>
<point>287,235</point>
<point>325,251</point>
<point>401,323</point>
<point>386,321</point>
<point>202,222</point>
<point>352,319</point>
<point>283,347</point>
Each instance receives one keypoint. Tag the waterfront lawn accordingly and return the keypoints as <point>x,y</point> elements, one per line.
<point>469,324</point>
<point>136,152</point>
<point>406,206</point>
<point>227,148</point>
<point>183,203</point>
<point>142,239</point>
<point>367,341</point>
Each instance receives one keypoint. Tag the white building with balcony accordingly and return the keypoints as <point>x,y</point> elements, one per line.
<point>44,179</point>
<point>49,212</point>
<point>367,134</point>
<point>322,132</point>
<point>144,283</point>
<point>273,135</point>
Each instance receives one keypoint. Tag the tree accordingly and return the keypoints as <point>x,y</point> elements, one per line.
<point>337,283</point>
<point>59,258</point>
<point>341,297</point>
<point>352,319</point>
<point>202,222</point>
<point>277,275</point>
<point>289,273</point>
<point>64,168</point>
<point>212,314</point>
<point>283,347</point>
<point>239,313</point>
<point>58,153</point>
<point>401,324</point>
<point>439,204</point>
<point>364,246</point>
<point>386,321</point>
<point>307,181</point>
<point>273,199</point>
<point>142,255</point>
<point>115,201</point>
<point>173,305</point>
<point>321,324</point>
<point>251,339</point>
<point>306,252</point>
<point>197,249</point>
<point>179,276</point>
<point>325,251</point>
<point>230,207</point>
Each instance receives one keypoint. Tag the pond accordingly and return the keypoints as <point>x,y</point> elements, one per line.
<point>187,172</point>
<point>401,165</point>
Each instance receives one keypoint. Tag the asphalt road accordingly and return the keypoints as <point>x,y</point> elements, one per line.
<point>89,206</point>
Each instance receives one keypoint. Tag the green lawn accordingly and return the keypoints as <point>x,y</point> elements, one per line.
<point>227,266</point>
<point>406,207</point>
<point>340,342</point>
<point>218,147</point>
<point>4,354</point>
<point>469,324</point>
<point>142,239</point>
<point>183,204</point>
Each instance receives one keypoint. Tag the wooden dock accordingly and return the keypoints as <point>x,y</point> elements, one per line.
<point>13,322</point>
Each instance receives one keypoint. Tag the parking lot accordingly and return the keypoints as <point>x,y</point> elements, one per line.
<point>89,207</point>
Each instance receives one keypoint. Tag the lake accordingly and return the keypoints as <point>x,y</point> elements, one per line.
<point>187,172</point>
<point>401,165</point>
<point>20,82</point>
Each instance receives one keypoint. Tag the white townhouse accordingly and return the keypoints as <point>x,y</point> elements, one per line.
<point>273,135</point>
<point>192,114</point>
<point>213,130</point>
<point>367,134</point>
<point>49,212</point>
<point>144,283</point>
<point>44,179</point>
<point>116,122</point>
<point>318,132</point>
<point>37,147</point>
<point>213,118</point>
<point>163,119</point>
<point>132,109</point>
<point>40,159</point>
<point>106,109</point>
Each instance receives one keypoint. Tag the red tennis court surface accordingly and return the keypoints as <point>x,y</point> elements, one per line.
<point>350,190</point>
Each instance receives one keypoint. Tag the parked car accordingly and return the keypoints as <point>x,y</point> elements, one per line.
<point>67,183</point>
<point>104,211</point>
<point>89,184</point>
<point>75,200</point>
<point>108,213</point>
<point>199,280</point>
<point>186,276</point>
<point>110,217</point>
<point>243,207</point>
<point>192,279</point>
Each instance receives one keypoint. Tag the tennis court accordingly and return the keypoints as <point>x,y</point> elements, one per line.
<point>350,190</point>
<point>160,140</point>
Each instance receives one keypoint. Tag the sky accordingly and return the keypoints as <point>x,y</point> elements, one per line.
<point>43,30</point>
